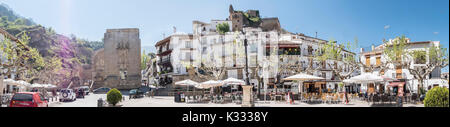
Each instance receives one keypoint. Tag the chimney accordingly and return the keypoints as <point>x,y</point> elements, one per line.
<point>174,29</point>
<point>362,50</point>
<point>373,47</point>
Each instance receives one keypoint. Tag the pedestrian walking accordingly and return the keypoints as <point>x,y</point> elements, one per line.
<point>292,97</point>
<point>346,97</point>
<point>400,96</point>
<point>153,93</point>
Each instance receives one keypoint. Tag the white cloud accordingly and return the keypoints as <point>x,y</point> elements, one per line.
<point>387,26</point>
<point>436,33</point>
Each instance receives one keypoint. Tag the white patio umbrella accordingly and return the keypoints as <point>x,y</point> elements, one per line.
<point>233,81</point>
<point>49,86</point>
<point>365,78</point>
<point>209,84</point>
<point>349,81</point>
<point>23,83</point>
<point>9,81</point>
<point>186,83</point>
<point>36,85</point>
<point>303,77</point>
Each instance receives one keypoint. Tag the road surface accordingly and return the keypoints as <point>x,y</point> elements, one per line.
<point>89,101</point>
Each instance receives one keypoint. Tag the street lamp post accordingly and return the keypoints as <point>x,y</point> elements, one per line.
<point>246,62</point>
<point>247,89</point>
<point>247,82</point>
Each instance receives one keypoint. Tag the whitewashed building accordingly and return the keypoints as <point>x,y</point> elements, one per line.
<point>301,49</point>
<point>375,57</point>
<point>206,46</point>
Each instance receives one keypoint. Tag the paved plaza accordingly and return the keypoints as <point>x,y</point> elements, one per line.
<point>168,101</point>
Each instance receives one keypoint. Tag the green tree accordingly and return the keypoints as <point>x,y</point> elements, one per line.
<point>20,21</point>
<point>18,57</point>
<point>113,96</point>
<point>223,28</point>
<point>51,68</point>
<point>398,54</point>
<point>437,97</point>
<point>332,53</point>
<point>144,60</point>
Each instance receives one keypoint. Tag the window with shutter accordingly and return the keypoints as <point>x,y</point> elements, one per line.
<point>399,72</point>
<point>378,61</point>
<point>367,61</point>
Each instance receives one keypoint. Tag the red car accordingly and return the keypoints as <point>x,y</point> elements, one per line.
<point>28,99</point>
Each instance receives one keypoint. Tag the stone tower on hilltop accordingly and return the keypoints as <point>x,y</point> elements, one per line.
<point>252,18</point>
<point>237,19</point>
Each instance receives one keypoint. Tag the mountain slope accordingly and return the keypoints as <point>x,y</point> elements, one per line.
<point>73,52</point>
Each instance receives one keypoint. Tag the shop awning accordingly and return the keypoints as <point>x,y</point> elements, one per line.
<point>395,84</point>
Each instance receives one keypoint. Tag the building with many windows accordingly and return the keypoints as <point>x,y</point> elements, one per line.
<point>376,59</point>
<point>301,51</point>
<point>206,46</point>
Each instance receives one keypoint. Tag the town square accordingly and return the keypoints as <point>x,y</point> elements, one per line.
<point>223,54</point>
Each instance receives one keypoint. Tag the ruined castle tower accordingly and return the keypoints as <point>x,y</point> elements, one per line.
<point>122,58</point>
<point>252,18</point>
<point>237,19</point>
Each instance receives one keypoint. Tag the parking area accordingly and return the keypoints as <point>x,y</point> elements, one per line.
<point>89,101</point>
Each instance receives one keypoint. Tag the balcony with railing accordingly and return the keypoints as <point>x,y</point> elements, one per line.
<point>164,60</point>
<point>164,51</point>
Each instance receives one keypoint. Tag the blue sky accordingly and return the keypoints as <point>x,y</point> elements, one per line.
<point>342,20</point>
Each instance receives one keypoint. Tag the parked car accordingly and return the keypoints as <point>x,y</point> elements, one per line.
<point>80,93</point>
<point>145,89</point>
<point>28,99</point>
<point>102,90</point>
<point>136,93</point>
<point>85,89</point>
<point>42,91</point>
<point>67,95</point>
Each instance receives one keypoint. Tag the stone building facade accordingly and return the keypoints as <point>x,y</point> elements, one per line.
<point>118,64</point>
<point>98,69</point>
